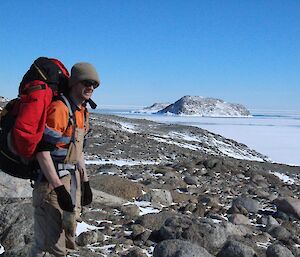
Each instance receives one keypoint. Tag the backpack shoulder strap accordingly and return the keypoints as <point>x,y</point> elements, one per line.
<point>72,118</point>
<point>67,103</point>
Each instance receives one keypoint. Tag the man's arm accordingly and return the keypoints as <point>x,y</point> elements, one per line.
<point>48,168</point>
<point>63,197</point>
<point>86,191</point>
<point>82,168</point>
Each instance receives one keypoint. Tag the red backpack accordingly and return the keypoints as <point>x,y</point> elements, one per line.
<point>23,119</point>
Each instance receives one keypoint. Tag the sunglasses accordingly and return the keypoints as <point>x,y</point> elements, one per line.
<point>88,83</point>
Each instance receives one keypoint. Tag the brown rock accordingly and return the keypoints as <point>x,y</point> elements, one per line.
<point>118,186</point>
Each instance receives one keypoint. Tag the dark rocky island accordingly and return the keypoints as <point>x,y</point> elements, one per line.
<point>205,106</point>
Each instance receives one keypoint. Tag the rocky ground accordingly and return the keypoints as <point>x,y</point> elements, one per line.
<point>170,191</point>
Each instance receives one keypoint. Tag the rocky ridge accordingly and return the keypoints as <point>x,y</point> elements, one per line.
<point>153,108</point>
<point>205,106</point>
<point>170,190</point>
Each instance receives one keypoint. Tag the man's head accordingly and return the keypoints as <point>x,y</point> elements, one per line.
<point>83,80</point>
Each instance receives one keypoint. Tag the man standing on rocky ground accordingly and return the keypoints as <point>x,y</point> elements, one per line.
<point>63,186</point>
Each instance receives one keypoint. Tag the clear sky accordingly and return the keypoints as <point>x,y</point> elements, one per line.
<point>146,51</point>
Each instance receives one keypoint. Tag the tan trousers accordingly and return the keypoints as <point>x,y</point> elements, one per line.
<point>50,239</point>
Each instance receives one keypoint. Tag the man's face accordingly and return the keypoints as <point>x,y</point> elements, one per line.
<point>83,90</point>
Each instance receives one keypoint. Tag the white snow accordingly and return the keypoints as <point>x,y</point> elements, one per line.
<point>228,150</point>
<point>225,148</point>
<point>126,126</point>
<point>3,100</point>
<point>172,142</point>
<point>106,249</point>
<point>144,206</point>
<point>1,249</point>
<point>285,178</point>
<point>263,244</point>
<point>124,162</point>
<point>84,227</point>
<point>274,136</point>
<point>185,136</point>
<point>150,253</point>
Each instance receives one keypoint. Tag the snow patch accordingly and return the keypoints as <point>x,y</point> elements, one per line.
<point>128,127</point>
<point>225,148</point>
<point>84,227</point>
<point>285,178</point>
<point>169,141</point>
<point>1,249</point>
<point>144,206</point>
<point>124,162</point>
<point>264,245</point>
<point>236,153</point>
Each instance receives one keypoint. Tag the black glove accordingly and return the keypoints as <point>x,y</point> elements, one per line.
<point>86,193</point>
<point>64,199</point>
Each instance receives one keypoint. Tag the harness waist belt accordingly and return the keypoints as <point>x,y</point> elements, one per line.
<point>66,166</point>
<point>62,173</point>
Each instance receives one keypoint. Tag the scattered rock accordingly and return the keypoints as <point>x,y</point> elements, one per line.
<point>277,250</point>
<point>236,249</point>
<point>158,197</point>
<point>288,205</point>
<point>135,252</point>
<point>194,190</point>
<point>155,221</point>
<point>280,233</point>
<point>239,219</point>
<point>179,248</point>
<point>191,180</point>
<point>248,203</point>
<point>117,186</point>
<point>87,238</point>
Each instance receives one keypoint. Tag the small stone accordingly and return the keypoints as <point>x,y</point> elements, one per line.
<point>239,219</point>
<point>137,230</point>
<point>85,238</point>
<point>277,250</point>
<point>191,180</point>
<point>236,249</point>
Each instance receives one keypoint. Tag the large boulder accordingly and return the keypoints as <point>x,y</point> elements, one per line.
<point>179,248</point>
<point>203,232</point>
<point>89,237</point>
<point>16,226</point>
<point>239,219</point>
<point>12,187</point>
<point>154,221</point>
<point>277,250</point>
<point>118,186</point>
<point>236,249</point>
<point>280,233</point>
<point>251,205</point>
<point>158,197</point>
<point>135,252</point>
<point>288,205</point>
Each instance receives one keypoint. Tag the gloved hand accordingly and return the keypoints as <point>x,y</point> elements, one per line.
<point>69,222</point>
<point>64,199</point>
<point>86,193</point>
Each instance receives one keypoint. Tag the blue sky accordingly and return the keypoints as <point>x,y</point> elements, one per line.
<point>150,51</point>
